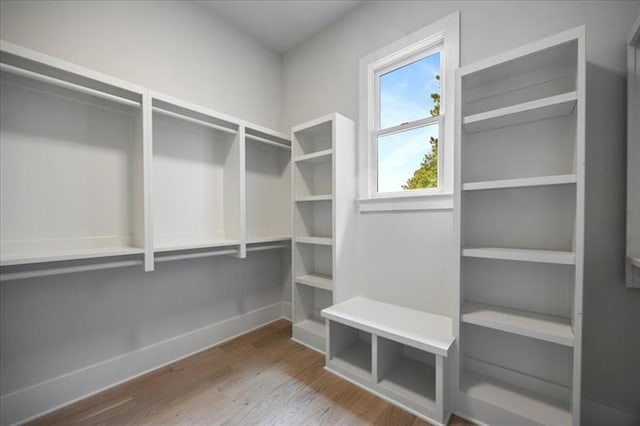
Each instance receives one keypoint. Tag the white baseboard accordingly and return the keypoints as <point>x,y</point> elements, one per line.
<point>597,414</point>
<point>286,310</point>
<point>37,400</point>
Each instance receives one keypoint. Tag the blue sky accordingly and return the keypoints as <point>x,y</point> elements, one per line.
<point>405,95</point>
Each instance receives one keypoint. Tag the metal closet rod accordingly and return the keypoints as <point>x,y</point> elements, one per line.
<point>269,247</point>
<point>194,255</point>
<point>194,120</point>
<point>67,85</point>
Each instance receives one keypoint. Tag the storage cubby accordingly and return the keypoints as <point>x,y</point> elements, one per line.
<point>350,349</point>
<point>313,180</point>
<point>268,186</point>
<point>539,218</point>
<point>315,139</point>
<point>407,373</point>
<point>313,219</point>
<point>520,374</point>
<point>196,172</point>
<point>520,211</point>
<point>71,152</point>
<point>308,324</point>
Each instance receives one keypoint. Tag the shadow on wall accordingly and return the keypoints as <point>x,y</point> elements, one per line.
<point>611,310</point>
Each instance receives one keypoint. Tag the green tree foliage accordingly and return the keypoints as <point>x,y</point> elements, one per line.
<point>427,175</point>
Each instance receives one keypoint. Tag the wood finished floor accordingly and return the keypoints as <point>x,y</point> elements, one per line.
<point>260,378</point>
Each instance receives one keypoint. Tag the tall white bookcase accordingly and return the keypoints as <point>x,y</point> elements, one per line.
<point>323,212</point>
<point>520,210</point>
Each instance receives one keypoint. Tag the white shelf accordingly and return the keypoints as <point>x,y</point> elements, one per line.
<point>323,241</point>
<point>267,141</point>
<point>540,408</point>
<point>268,239</point>
<point>355,357</point>
<point>422,330</point>
<point>312,327</point>
<point>309,198</point>
<point>61,256</point>
<point>520,182</point>
<point>324,282</point>
<point>524,323</point>
<point>194,245</point>
<point>315,157</point>
<point>540,109</point>
<point>522,255</point>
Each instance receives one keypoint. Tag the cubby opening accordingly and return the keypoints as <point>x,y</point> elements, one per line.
<point>308,303</point>
<point>313,179</point>
<point>71,183</point>
<point>196,192</point>
<point>313,139</point>
<point>350,348</point>
<point>314,219</point>
<point>268,190</point>
<point>523,375</point>
<point>407,372</point>
<point>540,218</point>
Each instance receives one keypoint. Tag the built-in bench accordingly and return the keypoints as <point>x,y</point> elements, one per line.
<point>394,352</point>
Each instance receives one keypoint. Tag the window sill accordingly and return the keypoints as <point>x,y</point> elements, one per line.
<point>406,203</point>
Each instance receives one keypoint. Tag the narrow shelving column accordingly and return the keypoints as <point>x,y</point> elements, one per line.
<point>323,206</point>
<point>520,215</point>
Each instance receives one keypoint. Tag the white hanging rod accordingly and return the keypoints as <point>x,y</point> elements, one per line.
<point>194,120</point>
<point>68,270</point>
<point>267,141</point>
<point>269,247</point>
<point>67,85</point>
<point>194,255</point>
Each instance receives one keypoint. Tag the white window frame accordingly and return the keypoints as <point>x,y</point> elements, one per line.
<point>442,36</point>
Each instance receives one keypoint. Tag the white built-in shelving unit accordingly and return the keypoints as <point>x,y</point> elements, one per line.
<point>72,155</point>
<point>323,208</point>
<point>633,158</point>
<point>520,211</point>
<point>392,351</point>
<point>100,173</point>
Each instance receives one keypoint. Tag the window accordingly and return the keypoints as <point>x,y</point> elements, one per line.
<point>406,121</point>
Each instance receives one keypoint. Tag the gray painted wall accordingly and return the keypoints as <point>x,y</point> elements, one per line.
<point>321,76</point>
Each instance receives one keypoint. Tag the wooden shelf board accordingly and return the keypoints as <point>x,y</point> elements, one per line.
<point>267,141</point>
<point>193,245</point>
<point>65,255</point>
<point>310,326</point>
<point>520,182</point>
<point>523,255</point>
<point>315,240</point>
<point>324,282</point>
<point>540,109</point>
<point>413,380</point>
<point>520,401</point>
<point>268,239</point>
<point>315,157</point>
<point>422,330</point>
<point>524,323</point>
<point>323,197</point>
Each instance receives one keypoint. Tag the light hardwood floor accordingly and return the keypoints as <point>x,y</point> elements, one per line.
<point>260,378</point>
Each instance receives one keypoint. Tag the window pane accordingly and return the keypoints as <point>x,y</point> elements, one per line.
<point>408,160</point>
<point>411,92</point>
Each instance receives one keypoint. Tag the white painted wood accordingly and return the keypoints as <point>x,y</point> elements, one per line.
<point>195,245</point>
<point>196,255</point>
<point>320,281</point>
<point>541,109</point>
<point>522,255</point>
<point>60,256</point>
<point>520,183</point>
<point>633,157</point>
<point>531,324</point>
<point>324,193</point>
<point>268,141</point>
<point>256,240</point>
<point>10,276</point>
<point>422,330</point>
<point>520,218</point>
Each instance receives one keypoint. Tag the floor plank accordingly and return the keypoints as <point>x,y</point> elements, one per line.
<point>262,377</point>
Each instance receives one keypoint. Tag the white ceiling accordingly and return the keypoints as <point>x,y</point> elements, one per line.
<point>281,24</point>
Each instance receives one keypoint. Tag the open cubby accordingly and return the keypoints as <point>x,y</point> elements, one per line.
<point>196,182</point>
<point>540,218</point>
<point>312,179</point>
<point>308,324</point>
<point>268,188</point>
<point>313,219</point>
<point>71,181</point>
<point>350,349</point>
<point>407,373</point>
<point>313,139</point>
